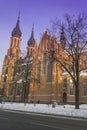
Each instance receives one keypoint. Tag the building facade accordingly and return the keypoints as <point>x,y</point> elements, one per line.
<point>36,77</point>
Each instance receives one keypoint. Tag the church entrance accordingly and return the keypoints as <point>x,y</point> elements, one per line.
<point>64,97</point>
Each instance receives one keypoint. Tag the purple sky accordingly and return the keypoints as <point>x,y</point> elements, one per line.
<point>37,12</point>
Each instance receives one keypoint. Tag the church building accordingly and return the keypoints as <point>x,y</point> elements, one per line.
<point>36,77</point>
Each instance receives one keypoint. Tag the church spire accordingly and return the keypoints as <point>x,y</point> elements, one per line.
<point>16,31</point>
<point>62,37</point>
<point>32,33</point>
<point>31,41</point>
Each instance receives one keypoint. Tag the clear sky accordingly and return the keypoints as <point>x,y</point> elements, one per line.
<point>37,12</point>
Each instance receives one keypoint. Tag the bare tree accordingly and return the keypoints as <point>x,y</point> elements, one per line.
<point>73,38</point>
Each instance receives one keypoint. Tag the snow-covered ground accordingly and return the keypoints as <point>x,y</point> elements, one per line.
<point>67,110</point>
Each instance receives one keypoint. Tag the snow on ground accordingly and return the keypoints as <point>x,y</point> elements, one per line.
<point>66,110</point>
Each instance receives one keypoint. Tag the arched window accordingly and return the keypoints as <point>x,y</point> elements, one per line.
<point>65,83</point>
<point>85,62</point>
<point>71,88</point>
<point>16,53</point>
<point>85,87</point>
<point>44,44</point>
<point>12,43</point>
<point>44,65</point>
<point>11,90</point>
<point>38,72</point>
<point>49,74</point>
<point>18,44</point>
<point>15,42</point>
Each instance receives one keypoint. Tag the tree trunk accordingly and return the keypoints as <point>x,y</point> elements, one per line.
<point>77,85</point>
<point>77,96</point>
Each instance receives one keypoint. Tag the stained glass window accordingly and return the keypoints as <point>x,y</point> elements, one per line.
<point>49,74</point>
<point>85,87</point>
<point>38,72</point>
<point>44,64</point>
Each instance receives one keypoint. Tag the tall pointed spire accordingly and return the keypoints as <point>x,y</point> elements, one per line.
<point>16,31</point>
<point>62,37</point>
<point>32,33</point>
<point>31,41</point>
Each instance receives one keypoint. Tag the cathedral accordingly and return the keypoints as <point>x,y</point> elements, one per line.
<point>35,77</point>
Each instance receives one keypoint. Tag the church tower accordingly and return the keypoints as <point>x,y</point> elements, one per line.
<point>14,50</point>
<point>13,54</point>
<point>31,44</point>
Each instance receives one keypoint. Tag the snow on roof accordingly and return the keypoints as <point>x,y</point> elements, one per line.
<point>83,72</point>
<point>19,81</point>
<point>24,64</point>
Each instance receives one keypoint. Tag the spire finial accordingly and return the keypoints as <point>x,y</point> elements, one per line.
<point>32,33</point>
<point>19,15</point>
<point>33,27</point>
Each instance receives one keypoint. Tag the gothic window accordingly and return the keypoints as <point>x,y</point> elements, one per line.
<point>45,44</point>
<point>49,74</point>
<point>85,87</point>
<point>71,88</point>
<point>15,42</point>
<point>31,51</point>
<point>11,90</point>
<point>11,42</point>
<point>65,83</point>
<point>44,65</point>
<point>16,53</point>
<point>85,62</point>
<point>18,44</point>
<point>38,72</point>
